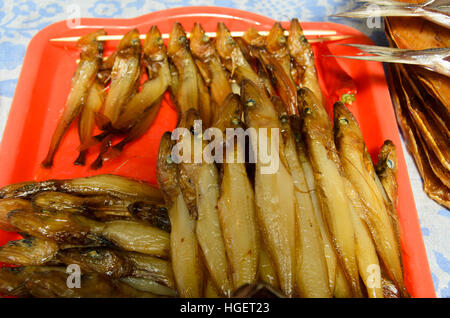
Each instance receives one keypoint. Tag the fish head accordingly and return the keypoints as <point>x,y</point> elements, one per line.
<point>225,44</point>
<point>201,45</point>
<point>276,39</point>
<point>258,109</point>
<point>178,41</point>
<point>346,127</point>
<point>154,46</point>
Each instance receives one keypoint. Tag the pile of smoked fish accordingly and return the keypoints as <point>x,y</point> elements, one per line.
<point>322,224</point>
<point>422,103</point>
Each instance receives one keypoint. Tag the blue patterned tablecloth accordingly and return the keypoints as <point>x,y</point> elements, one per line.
<point>21,19</point>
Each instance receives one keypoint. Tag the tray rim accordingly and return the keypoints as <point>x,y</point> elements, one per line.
<point>14,127</point>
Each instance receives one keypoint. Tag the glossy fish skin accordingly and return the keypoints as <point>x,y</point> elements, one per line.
<point>236,204</point>
<point>28,251</point>
<point>114,185</point>
<point>387,168</point>
<point>124,76</point>
<point>208,228</point>
<point>233,58</point>
<point>57,226</point>
<point>253,38</point>
<point>350,144</point>
<point>311,272</point>
<point>277,47</point>
<point>180,55</point>
<point>266,270</point>
<point>274,191</point>
<point>137,131</point>
<point>366,254</point>
<point>152,214</point>
<point>8,205</point>
<point>154,268</point>
<point>86,122</point>
<point>184,248</point>
<point>205,106</point>
<point>150,286</point>
<point>53,284</point>
<point>104,184</point>
<point>64,202</point>
<point>90,59</point>
<point>13,278</point>
<point>328,171</point>
<point>281,67</point>
<point>137,237</point>
<point>187,170</point>
<point>301,51</point>
<point>107,261</point>
<point>230,115</point>
<point>328,247</point>
<point>274,64</point>
<point>191,91</point>
<point>203,49</point>
<point>147,100</point>
<point>116,263</point>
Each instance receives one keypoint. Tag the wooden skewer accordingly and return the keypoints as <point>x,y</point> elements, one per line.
<point>210,34</point>
<point>315,40</point>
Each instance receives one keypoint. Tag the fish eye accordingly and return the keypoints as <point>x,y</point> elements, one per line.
<point>235,121</point>
<point>182,39</point>
<point>205,38</point>
<point>169,160</point>
<point>159,41</point>
<point>343,121</point>
<point>390,163</point>
<point>134,41</point>
<point>282,39</point>
<point>28,242</point>
<point>307,111</point>
<point>94,254</point>
<point>284,118</point>
<point>303,39</point>
<point>230,40</point>
<point>250,102</point>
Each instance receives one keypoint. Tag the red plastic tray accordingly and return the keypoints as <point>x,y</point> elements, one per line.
<point>44,84</point>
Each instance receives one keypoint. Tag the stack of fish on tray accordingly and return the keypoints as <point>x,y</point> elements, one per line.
<point>115,229</point>
<point>422,103</point>
<point>322,223</point>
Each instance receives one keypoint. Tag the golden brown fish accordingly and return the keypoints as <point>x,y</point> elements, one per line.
<point>233,58</point>
<point>350,144</point>
<point>387,168</point>
<point>301,51</point>
<point>329,174</point>
<point>312,276</point>
<point>86,122</point>
<point>178,50</point>
<point>236,204</point>
<point>184,248</point>
<point>274,188</point>
<point>90,59</point>
<point>29,251</point>
<point>8,205</point>
<point>124,76</point>
<point>156,61</point>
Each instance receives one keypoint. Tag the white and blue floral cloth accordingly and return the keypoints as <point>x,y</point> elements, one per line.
<point>21,19</point>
